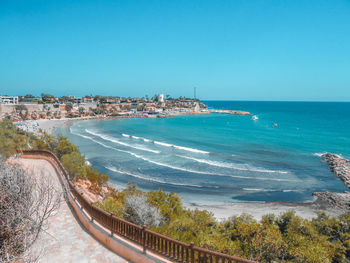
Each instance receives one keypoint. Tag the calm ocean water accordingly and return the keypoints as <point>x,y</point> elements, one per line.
<point>223,158</point>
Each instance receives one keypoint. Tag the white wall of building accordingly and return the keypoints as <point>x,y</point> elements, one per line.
<point>161,98</point>
<point>8,99</point>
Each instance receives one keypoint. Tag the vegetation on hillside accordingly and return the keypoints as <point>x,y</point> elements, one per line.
<point>283,238</point>
<point>13,139</point>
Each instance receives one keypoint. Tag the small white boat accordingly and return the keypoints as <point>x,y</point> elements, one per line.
<point>255,118</point>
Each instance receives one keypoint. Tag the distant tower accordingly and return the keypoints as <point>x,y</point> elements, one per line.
<point>161,98</point>
<point>195,92</point>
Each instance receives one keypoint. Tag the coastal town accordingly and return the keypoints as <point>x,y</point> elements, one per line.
<point>29,107</point>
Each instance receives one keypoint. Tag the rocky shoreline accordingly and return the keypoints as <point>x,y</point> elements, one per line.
<point>339,166</point>
<point>333,201</point>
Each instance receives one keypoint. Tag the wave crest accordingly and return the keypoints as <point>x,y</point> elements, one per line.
<point>112,139</point>
<point>164,144</point>
<point>181,168</point>
<point>231,165</point>
<point>114,169</point>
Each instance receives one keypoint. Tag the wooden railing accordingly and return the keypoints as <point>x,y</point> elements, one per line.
<point>164,246</point>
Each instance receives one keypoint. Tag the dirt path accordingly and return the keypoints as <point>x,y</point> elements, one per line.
<point>66,240</point>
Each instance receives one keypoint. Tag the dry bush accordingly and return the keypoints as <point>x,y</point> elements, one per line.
<point>140,212</point>
<point>26,202</point>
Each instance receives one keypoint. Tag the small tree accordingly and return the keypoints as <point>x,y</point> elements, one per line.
<point>140,212</point>
<point>81,110</point>
<point>69,107</point>
<point>22,110</point>
<point>47,97</point>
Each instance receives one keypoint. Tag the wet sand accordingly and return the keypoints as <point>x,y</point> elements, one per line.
<point>307,210</point>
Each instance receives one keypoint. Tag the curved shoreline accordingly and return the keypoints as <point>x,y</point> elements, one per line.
<point>332,204</point>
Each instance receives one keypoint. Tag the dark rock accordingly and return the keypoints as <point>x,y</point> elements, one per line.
<point>326,200</point>
<point>339,166</point>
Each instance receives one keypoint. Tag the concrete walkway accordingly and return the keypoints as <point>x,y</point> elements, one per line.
<point>65,239</point>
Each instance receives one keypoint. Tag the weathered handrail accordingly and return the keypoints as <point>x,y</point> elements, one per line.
<point>162,245</point>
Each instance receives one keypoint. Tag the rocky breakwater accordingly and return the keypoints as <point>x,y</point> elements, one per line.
<point>339,166</point>
<point>334,203</point>
<point>337,202</point>
<point>232,112</point>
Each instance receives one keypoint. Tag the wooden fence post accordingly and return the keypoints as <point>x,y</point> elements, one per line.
<point>144,236</point>
<point>81,205</point>
<point>192,252</point>
<point>91,205</point>
<point>111,224</point>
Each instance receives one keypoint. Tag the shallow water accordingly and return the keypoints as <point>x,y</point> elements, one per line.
<point>223,158</point>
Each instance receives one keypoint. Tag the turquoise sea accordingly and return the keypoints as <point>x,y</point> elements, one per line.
<point>223,158</point>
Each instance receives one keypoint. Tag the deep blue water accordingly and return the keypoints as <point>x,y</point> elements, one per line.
<point>223,158</point>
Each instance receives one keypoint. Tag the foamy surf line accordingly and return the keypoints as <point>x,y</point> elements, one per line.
<point>270,190</point>
<point>111,139</point>
<point>320,154</point>
<point>180,168</point>
<point>164,144</point>
<point>114,169</point>
<point>231,165</point>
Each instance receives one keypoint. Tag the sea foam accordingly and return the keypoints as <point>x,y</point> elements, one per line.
<point>164,144</point>
<point>181,168</point>
<point>114,169</point>
<point>112,139</point>
<point>232,166</point>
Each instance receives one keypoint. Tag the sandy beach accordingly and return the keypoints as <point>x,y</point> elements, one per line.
<point>46,125</point>
<point>257,210</point>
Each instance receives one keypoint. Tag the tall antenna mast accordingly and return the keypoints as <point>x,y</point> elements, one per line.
<point>195,91</point>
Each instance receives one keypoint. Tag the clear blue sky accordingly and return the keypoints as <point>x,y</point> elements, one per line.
<point>233,50</point>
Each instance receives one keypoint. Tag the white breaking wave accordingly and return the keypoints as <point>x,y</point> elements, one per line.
<point>180,168</point>
<point>253,189</point>
<point>322,153</point>
<point>232,166</point>
<point>167,144</point>
<point>181,147</point>
<point>100,143</point>
<point>111,139</point>
<point>269,190</point>
<point>163,144</point>
<point>114,169</point>
<point>171,166</point>
<point>319,154</point>
<point>136,137</point>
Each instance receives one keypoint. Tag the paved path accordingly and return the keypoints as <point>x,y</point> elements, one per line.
<point>66,240</point>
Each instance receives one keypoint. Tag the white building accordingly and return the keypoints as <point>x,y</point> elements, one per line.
<point>197,108</point>
<point>161,98</point>
<point>76,100</point>
<point>8,99</point>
